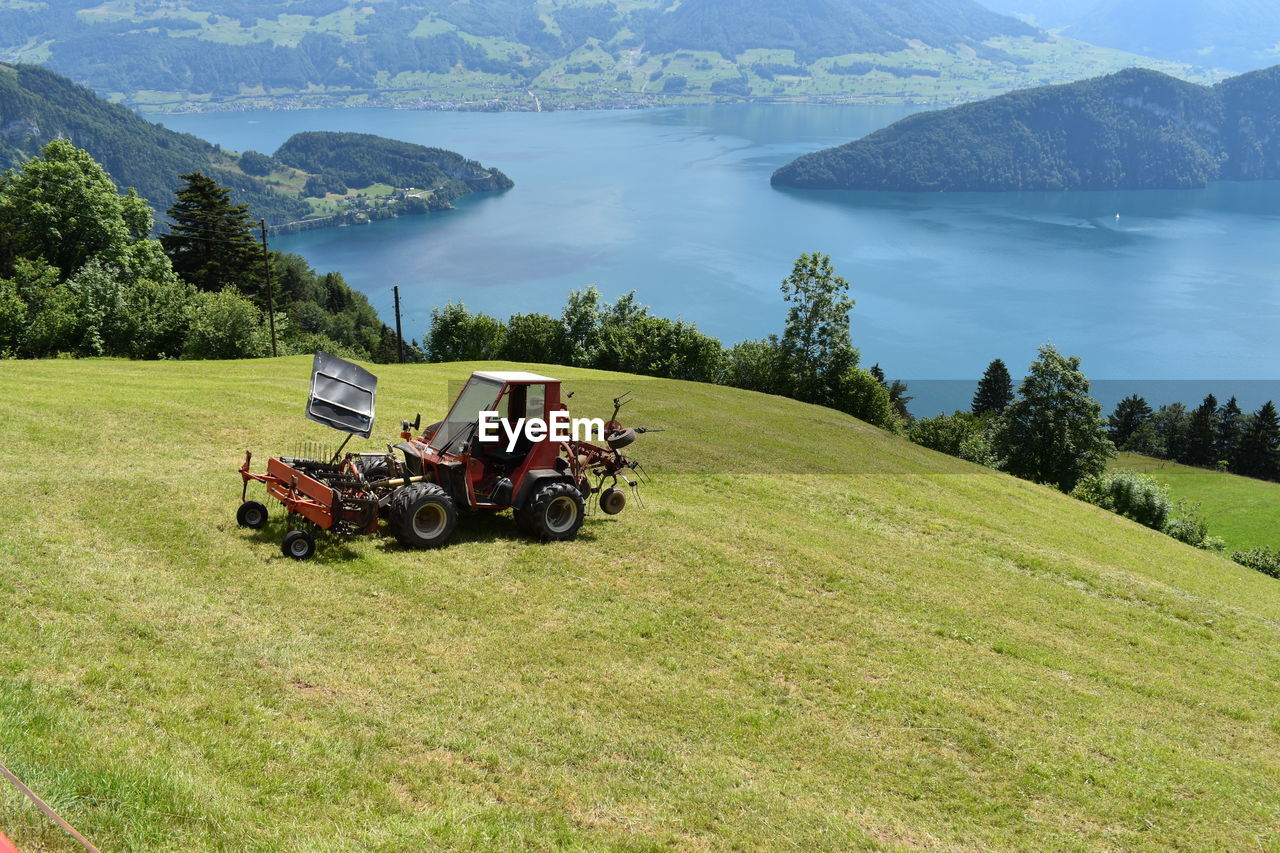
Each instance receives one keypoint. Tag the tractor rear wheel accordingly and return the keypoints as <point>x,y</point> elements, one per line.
<point>252,515</point>
<point>423,515</point>
<point>554,513</point>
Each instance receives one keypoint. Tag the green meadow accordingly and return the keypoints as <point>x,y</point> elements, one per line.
<point>1245,512</point>
<point>815,636</point>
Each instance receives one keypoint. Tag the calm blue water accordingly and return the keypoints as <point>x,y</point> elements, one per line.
<point>676,205</point>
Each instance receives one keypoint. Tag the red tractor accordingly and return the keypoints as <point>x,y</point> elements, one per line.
<point>497,448</point>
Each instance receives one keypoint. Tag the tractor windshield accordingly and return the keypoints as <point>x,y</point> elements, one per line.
<point>459,425</point>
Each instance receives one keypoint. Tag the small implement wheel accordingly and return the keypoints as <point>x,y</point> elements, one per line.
<point>252,515</point>
<point>423,515</point>
<point>298,544</point>
<point>620,439</point>
<point>612,501</point>
<point>555,512</point>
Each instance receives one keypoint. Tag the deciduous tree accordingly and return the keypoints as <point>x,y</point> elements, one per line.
<point>1053,432</point>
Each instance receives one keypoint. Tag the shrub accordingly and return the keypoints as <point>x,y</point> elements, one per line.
<point>1135,496</point>
<point>862,395</point>
<point>13,317</point>
<point>754,365</point>
<point>1191,528</point>
<point>945,433</point>
<point>458,335</point>
<point>534,337</point>
<point>1265,560</point>
<point>225,325</point>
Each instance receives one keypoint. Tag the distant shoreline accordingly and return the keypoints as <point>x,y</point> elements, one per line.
<point>503,105</point>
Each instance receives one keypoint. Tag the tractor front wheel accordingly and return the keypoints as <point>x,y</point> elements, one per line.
<point>298,544</point>
<point>554,513</point>
<point>423,515</point>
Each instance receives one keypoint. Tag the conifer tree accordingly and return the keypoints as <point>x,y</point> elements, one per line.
<point>1202,434</point>
<point>1259,454</point>
<point>995,390</point>
<point>1130,415</point>
<point>211,240</point>
<point>1230,422</point>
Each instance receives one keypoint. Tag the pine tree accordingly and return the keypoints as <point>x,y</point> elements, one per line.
<point>995,390</point>
<point>1259,454</point>
<point>211,240</point>
<point>878,372</point>
<point>1202,434</point>
<point>1130,414</point>
<point>1229,425</point>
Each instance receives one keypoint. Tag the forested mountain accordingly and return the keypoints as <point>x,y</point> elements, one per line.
<point>1133,130</point>
<point>818,28</point>
<point>504,53</point>
<point>361,159</point>
<point>1240,35</point>
<point>37,105</point>
<point>315,175</point>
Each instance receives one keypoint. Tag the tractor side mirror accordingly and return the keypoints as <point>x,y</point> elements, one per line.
<point>417,422</point>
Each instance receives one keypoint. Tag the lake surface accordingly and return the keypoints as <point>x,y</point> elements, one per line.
<point>676,205</point>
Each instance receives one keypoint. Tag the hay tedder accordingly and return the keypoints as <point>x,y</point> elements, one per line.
<point>421,485</point>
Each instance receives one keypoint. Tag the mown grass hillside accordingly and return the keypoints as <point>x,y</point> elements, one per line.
<point>816,636</point>
<point>1243,511</point>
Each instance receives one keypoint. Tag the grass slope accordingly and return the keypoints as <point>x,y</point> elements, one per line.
<point>1245,512</point>
<point>859,645</point>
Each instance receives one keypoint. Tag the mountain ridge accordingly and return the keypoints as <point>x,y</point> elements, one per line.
<point>1137,129</point>
<point>534,54</point>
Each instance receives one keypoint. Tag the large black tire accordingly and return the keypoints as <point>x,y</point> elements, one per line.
<point>298,544</point>
<point>375,470</point>
<point>252,515</point>
<point>423,515</point>
<point>554,513</point>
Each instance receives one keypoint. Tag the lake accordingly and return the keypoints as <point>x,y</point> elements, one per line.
<point>676,205</point>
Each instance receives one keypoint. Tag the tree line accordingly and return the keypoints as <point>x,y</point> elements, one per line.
<point>1051,431</point>
<point>1215,436</point>
<point>81,274</point>
<point>813,360</point>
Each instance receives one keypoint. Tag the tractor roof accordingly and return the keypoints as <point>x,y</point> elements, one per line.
<point>513,376</point>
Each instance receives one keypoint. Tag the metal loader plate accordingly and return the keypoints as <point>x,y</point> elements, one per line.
<point>342,395</point>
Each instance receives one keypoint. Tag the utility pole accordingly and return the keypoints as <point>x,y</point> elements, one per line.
<point>266,268</point>
<point>395,289</point>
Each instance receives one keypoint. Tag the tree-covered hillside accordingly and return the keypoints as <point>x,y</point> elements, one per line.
<point>498,54</point>
<point>37,106</point>
<point>361,159</point>
<point>818,28</point>
<point>1133,130</point>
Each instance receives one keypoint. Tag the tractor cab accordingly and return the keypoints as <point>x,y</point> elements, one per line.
<point>480,453</point>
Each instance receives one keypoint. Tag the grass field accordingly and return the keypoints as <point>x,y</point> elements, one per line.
<point>815,637</point>
<point>1243,511</point>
